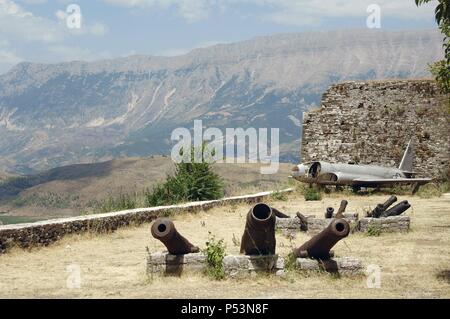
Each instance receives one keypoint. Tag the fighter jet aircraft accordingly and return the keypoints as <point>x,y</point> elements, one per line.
<point>357,176</point>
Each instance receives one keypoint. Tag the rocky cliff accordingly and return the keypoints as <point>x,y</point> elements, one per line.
<point>371,122</point>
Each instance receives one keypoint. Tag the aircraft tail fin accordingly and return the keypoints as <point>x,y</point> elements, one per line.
<point>407,161</point>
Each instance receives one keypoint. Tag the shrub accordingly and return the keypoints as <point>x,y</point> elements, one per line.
<point>191,182</point>
<point>215,252</point>
<point>312,194</point>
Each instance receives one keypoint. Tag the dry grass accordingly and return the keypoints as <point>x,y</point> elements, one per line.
<point>415,264</point>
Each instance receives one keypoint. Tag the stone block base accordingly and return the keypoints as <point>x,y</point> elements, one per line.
<point>316,225</point>
<point>288,223</point>
<point>241,265</point>
<point>167,264</point>
<point>342,266</point>
<point>386,224</point>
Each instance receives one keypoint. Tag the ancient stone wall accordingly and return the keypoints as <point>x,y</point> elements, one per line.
<point>371,122</point>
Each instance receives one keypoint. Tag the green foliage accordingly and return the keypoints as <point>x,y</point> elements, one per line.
<point>116,203</point>
<point>373,230</point>
<point>279,196</point>
<point>289,262</point>
<point>441,69</point>
<point>191,182</point>
<point>429,190</point>
<point>215,252</point>
<point>312,193</point>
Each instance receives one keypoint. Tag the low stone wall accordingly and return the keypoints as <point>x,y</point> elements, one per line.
<point>167,264</point>
<point>387,224</point>
<point>342,266</point>
<point>316,225</point>
<point>46,232</point>
<point>243,266</point>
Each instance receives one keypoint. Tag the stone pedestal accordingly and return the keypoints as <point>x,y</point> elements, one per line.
<point>242,266</point>
<point>316,225</point>
<point>342,266</point>
<point>288,223</point>
<point>167,264</point>
<point>385,224</point>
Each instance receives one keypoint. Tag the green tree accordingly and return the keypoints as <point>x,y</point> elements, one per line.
<point>441,69</point>
<point>191,182</point>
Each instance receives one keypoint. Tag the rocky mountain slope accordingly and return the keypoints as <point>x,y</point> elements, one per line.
<point>77,112</point>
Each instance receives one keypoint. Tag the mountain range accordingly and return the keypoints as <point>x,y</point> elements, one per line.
<point>78,112</point>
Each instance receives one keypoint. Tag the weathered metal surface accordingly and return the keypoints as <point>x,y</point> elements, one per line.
<point>259,233</point>
<point>319,246</point>
<point>164,230</point>
<point>329,212</point>
<point>382,207</point>
<point>279,214</point>
<point>341,210</point>
<point>397,209</point>
<point>303,221</point>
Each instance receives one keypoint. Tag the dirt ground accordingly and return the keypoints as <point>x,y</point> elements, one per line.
<point>413,265</point>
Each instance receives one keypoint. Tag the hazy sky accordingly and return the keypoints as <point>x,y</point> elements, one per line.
<point>37,30</point>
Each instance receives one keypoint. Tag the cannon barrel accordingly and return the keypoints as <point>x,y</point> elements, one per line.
<point>379,210</point>
<point>329,212</point>
<point>341,210</point>
<point>397,209</point>
<point>320,245</point>
<point>303,221</point>
<point>259,232</point>
<point>279,214</point>
<point>164,230</point>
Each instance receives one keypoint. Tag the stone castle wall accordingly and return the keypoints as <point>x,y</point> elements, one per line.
<point>371,122</point>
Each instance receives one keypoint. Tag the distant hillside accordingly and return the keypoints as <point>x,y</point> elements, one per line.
<point>78,112</point>
<point>71,189</point>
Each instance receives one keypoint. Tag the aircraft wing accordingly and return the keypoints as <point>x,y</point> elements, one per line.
<point>390,181</point>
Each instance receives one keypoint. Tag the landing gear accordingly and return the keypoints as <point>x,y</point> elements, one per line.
<point>415,188</point>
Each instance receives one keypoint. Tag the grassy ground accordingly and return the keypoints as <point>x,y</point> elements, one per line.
<point>415,264</point>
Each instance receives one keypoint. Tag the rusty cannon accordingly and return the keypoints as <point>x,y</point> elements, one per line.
<point>319,247</point>
<point>341,210</point>
<point>381,208</point>
<point>329,212</point>
<point>259,232</point>
<point>164,230</point>
<point>397,209</point>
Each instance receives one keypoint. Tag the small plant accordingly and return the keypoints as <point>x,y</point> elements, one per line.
<point>279,196</point>
<point>312,194</point>
<point>374,230</point>
<point>215,252</point>
<point>289,262</point>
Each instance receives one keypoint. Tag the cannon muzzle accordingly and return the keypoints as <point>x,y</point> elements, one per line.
<point>341,210</point>
<point>397,209</point>
<point>164,230</point>
<point>319,247</point>
<point>259,233</point>
<point>329,212</point>
<point>381,208</point>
